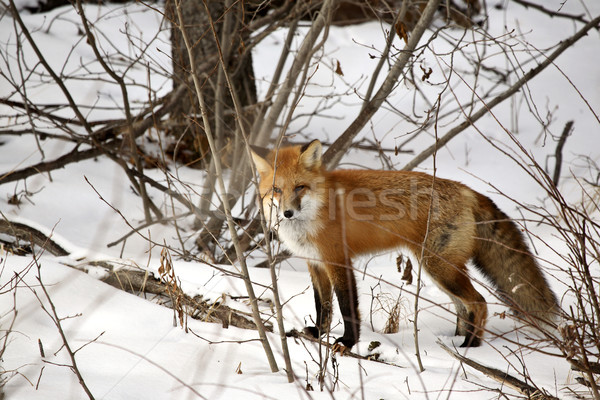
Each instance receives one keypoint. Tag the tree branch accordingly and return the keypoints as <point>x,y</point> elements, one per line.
<point>336,151</point>
<point>503,96</point>
<point>73,156</point>
<point>305,51</point>
<point>219,176</point>
<point>551,13</point>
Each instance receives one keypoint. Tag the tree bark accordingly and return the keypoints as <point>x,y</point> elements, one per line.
<point>229,17</point>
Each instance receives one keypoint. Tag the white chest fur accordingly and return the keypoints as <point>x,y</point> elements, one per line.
<point>296,232</point>
<point>294,235</point>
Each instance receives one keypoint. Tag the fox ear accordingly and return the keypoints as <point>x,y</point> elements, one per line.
<point>310,155</point>
<point>262,166</point>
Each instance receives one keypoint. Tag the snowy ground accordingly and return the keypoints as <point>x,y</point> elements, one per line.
<point>129,347</point>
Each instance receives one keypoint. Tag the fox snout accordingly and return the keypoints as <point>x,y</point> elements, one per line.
<point>293,209</point>
<point>285,209</point>
<point>291,206</point>
<point>302,206</point>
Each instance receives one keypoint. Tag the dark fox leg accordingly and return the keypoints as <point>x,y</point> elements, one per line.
<point>462,316</point>
<point>323,298</point>
<point>344,285</point>
<point>471,306</point>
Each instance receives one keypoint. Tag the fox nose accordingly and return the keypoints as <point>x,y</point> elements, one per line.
<point>288,213</point>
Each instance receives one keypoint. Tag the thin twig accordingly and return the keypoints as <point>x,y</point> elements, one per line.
<point>347,353</point>
<point>558,152</point>
<point>16,15</point>
<point>133,149</point>
<point>551,13</point>
<point>57,321</point>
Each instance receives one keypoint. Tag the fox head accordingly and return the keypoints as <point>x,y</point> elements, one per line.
<point>291,182</point>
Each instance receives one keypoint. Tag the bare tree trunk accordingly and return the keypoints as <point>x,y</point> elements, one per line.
<point>190,144</point>
<point>190,140</point>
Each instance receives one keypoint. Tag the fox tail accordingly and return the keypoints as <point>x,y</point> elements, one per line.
<point>503,256</point>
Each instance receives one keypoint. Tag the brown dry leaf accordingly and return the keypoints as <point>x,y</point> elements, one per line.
<point>407,274</point>
<point>402,31</point>
<point>426,73</point>
<point>338,69</point>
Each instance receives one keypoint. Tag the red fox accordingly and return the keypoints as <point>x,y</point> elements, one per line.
<point>329,217</point>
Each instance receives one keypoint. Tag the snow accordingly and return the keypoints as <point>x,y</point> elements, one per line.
<point>128,346</point>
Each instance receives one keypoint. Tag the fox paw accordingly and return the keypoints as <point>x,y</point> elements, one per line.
<point>471,341</point>
<point>342,345</point>
<point>340,348</point>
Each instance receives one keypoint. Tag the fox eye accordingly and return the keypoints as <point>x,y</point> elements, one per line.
<point>299,188</point>
<point>276,190</point>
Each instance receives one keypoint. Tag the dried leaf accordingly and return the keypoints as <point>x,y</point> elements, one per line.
<point>407,275</point>
<point>338,69</point>
<point>426,73</point>
<point>14,200</point>
<point>402,31</point>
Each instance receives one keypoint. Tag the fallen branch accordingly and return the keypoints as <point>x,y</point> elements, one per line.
<point>26,233</point>
<point>504,378</point>
<point>137,282</point>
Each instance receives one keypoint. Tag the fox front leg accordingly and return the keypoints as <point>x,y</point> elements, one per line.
<point>323,298</point>
<point>345,288</point>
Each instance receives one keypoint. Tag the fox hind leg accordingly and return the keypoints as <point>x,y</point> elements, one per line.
<point>471,308</point>
<point>462,316</point>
